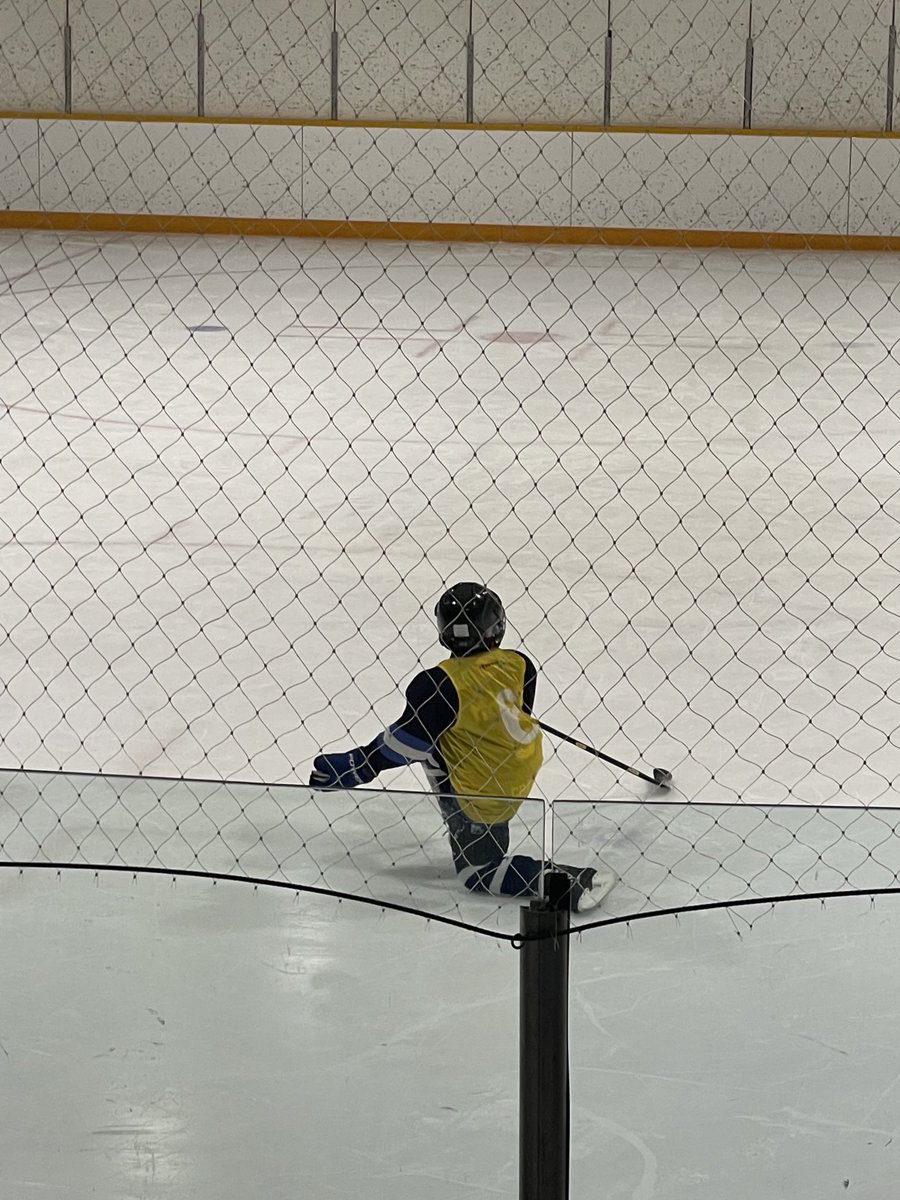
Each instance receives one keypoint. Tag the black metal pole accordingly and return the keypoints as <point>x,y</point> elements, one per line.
<point>335,64</point>
<point>891,61</point>
<point>544,1044</point>
<point>748,73</point>
<point>608,66</point>
<point>201,62</point>
<point>67,63</point>
<point>470,66</point>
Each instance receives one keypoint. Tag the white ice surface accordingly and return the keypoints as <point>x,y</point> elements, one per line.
<point>223,545</point>
<point>164,1041</point>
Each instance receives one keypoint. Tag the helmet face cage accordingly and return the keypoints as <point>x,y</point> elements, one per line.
<point>470,619</point>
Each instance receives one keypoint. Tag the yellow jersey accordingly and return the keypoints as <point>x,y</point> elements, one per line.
<point>493,749</point>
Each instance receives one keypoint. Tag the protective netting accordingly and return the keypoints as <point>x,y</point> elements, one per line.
<point>620,375</point>
<point>389,848</point>
<point>819,63</point>
<point>238,473</point>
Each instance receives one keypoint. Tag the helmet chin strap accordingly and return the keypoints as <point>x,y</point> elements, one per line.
<point>457,653</point>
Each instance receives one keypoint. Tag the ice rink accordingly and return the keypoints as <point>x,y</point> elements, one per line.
<point>237,474</point>
<point>164,1041</point>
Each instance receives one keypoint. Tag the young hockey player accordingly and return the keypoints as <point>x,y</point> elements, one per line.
<point>468,722</point>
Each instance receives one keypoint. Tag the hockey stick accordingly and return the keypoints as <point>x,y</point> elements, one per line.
<point>660,777</point>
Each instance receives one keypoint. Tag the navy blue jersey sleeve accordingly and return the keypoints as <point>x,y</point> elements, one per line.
<point>530,685</point>
<point>432,706</point>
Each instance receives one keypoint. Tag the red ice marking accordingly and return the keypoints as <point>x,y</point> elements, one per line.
<point>509,337</point>
<point>519,338</point>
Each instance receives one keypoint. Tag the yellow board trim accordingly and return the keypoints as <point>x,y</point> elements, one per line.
<point>488,126</point>
<point>438,231</point>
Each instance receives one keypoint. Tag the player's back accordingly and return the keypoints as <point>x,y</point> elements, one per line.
<point>494,747</point>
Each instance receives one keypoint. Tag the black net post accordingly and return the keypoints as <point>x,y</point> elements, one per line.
<point>544,1044</point>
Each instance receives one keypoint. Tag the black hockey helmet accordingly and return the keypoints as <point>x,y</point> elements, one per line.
<point>470,618</point>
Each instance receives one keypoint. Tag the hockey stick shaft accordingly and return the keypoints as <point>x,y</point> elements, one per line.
<point>660,778</point>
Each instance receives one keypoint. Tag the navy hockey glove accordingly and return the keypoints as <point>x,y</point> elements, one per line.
<point>347,770</point>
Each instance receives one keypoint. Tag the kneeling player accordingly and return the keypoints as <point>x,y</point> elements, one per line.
<point>468,721</point>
